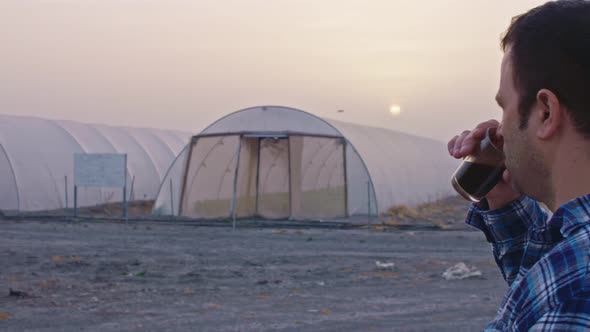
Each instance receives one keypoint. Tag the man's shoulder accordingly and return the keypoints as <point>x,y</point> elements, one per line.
<point>558,277</point>
<point>573,249</point>
<point>569,261</point>
<point>565,296</point>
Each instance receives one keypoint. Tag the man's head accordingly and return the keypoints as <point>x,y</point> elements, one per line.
<point>550,49</point>
<point>544,90</point>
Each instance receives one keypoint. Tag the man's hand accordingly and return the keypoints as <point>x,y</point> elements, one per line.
<point>463,145</point>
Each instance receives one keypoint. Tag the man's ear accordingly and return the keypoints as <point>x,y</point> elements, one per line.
<point>549,114</point>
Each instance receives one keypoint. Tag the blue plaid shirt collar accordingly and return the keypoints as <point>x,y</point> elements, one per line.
<point>572,215</point>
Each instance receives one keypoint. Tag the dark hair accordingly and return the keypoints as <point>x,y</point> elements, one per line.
<point>550,47</point>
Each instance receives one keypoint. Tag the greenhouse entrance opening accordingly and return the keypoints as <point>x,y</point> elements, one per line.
<point>269,175</point>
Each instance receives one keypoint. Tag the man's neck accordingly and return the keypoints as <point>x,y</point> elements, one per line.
<point>571,173</point>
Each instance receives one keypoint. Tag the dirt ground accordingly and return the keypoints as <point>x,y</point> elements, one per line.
<point>107,276</point>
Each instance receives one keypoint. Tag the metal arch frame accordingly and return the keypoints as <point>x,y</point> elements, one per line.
<point>290,178</point>
<point>166,176</point>
<point>13,176</point>
<point>234,204</point>
<point>191,146</point>
<point>265,134</point>
<point>258,145</point>
<point>372,185</point>
<point>344,146</point>
<point>263,107</point>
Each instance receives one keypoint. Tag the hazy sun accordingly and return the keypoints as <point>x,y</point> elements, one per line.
<point>395,109</point>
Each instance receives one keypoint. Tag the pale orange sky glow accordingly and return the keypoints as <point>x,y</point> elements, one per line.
<point>182,64</point>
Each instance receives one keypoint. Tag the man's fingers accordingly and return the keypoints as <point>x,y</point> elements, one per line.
<point>451,145</point>
<point>464,144</point>
<point>488,124</point>
<point>468,146</point>
<point>479,132</point>
<point>459,144</point>
<point>472,140</point>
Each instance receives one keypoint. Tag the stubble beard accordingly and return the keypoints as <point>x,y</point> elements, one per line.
<point>528,173</point>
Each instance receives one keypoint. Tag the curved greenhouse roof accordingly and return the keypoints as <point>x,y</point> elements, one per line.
<point>279,162</point>
<point>36,157</point>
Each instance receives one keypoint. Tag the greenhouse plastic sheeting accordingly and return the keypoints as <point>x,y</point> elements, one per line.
<point>36,157</point>
<point>208,182</point>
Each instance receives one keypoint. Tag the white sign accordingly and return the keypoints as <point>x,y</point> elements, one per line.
<point>100,170</point>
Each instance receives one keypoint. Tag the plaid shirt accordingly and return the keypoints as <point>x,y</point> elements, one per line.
<point>546,264</point>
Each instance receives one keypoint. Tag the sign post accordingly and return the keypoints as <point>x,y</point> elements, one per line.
<point>100,170</point>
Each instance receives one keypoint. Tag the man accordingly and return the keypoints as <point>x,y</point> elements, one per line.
<point>545,99</point>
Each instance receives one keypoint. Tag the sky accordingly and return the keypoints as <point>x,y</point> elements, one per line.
<point>180,64</point>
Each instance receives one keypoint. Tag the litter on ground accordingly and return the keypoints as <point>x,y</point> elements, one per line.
<point>384,265</point>
<point>461,271</point>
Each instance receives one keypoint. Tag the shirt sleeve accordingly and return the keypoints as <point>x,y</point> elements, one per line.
<point>508,230</point>
<point>571,315</point>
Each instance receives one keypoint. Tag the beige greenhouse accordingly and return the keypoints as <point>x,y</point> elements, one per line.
<point>282,163</point>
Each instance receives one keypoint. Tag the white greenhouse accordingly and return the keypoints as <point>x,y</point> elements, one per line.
<point>282,163</point>
<point>36,161</point>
